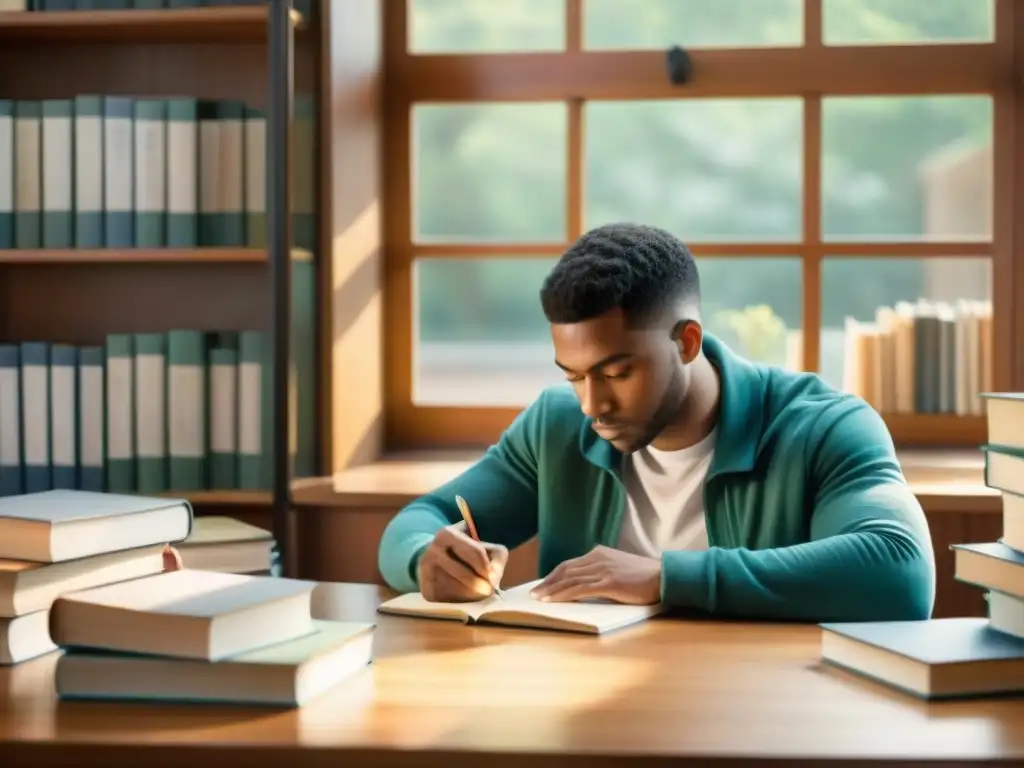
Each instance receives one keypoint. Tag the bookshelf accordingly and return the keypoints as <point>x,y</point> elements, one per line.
<point>260,56</point>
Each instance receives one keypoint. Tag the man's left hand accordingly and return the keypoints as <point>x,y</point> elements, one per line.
<point>603,573</point>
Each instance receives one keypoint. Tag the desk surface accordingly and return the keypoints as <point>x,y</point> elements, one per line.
<point>457,696</point>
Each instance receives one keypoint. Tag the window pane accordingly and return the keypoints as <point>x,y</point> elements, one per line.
<point>907,168</point>
<point>880,22</point>
<point>472,26</point>
<point>639,24</point>
<point>482,338</point>
<point>706,170</point>
<point>490,172</point>
<point>935,358</point>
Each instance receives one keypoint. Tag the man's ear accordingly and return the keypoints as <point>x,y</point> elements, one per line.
<point>688,336</point>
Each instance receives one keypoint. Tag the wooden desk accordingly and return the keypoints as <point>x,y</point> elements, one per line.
<point>667,692</point>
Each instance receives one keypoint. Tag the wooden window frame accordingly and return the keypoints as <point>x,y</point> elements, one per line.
<point>810,72</point>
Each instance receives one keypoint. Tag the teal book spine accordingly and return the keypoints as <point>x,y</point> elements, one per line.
<point>255,178</point>
<point>150,202</point>
<point>90,409</point>
<point>231,192</point>
<point>186,409</point>
<point>58,173</point>
<point>150,380</point>
<point>209,175</point>
<point>303,354</point>
<point>28,174</point>
<point>64,415</point>
<point>35,415</point>
<point>120,411</point>
<point>118,171</point>
<point>304,173</point>
<point>182,173</point>
<point>11,482</point>
<point>252,415</point>
<point>6,174</point>
<point>88,171</point>
<point>223,418</point>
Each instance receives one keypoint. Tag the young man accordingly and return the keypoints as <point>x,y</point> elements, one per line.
<point>669,469</point>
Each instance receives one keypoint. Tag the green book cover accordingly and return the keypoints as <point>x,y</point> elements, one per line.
<point>182,173</point>
<point>58,170</point>
<point>187,409</point>
<point>120,437</point>
<point>150,412</point>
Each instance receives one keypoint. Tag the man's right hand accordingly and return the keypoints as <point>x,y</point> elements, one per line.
<point>457,569</point>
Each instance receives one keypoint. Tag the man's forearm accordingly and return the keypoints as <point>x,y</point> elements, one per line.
<point>874,575</point>
<point>404,539</point>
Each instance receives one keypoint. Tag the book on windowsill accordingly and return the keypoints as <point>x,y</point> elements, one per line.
<point>287,674</point>
<point>515,608</point>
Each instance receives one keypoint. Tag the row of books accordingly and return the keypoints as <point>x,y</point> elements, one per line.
<point>924,357</point>
<point>146,413</point>
<point>92,586</point>
<point>955,657</point>
<point>114,171</point>
<point>302,6</point>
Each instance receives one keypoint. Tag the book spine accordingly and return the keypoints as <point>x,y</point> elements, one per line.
<point>182,173</point>
<point>58,165</point>
<point>118,171</point>
<point>223,416</point>
<point>255,178</point>
<point>28,169</point>
<point>304,172</point>
<point>10,421</point>
<point>63,397</point>
<point>209,175</point>
<point>186,404</point>
<point>231,186</point>
<point>35,415</point>
<point>88,172</point>
<point>6,174</point>
<point>251,414</point>
<point>150,383</point>
<point>91,447</point>
<point>120,415</point>
<point>150,173</point>
<point>303,342</point>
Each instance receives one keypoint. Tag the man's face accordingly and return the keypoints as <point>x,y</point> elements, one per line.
<point>630,381</point>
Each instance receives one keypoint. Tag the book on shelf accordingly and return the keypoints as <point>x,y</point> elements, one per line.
<point>304,7</point>
<point>146,413</point>
<point>115,171</point>
<point>922,357</point>
<point>952,657</point>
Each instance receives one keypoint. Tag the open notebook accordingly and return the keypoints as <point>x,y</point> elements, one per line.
<point>515,608</point>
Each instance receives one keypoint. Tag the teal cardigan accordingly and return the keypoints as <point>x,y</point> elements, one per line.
<point>808,514</point>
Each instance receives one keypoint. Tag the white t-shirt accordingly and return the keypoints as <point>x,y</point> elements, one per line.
<point>665,501</point>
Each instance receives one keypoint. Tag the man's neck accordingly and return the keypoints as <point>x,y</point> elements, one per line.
<point>699,413</point>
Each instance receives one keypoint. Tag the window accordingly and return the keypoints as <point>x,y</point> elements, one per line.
<point>834,166</point>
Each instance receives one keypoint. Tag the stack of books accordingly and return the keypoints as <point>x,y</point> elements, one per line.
<point>961,656</point>
<point>61,541</point>
<point>83,577</point>
<point>201,636</point>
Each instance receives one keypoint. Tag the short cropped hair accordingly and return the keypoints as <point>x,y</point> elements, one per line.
<point>639,269</point>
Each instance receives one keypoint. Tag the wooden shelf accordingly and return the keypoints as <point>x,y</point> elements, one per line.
<point>31,257</point>
<point>936,430</point>
<point>170,25</point>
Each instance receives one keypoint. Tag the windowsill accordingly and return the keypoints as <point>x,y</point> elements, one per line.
<point>944,480</point>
